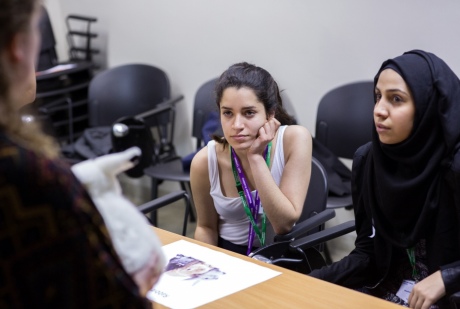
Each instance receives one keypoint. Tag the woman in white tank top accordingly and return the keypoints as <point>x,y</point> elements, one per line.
<point>251,182</point>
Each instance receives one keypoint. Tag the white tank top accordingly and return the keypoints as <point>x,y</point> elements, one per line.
<point>233,222</point>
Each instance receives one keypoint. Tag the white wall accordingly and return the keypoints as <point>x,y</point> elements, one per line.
<point>308,46</point>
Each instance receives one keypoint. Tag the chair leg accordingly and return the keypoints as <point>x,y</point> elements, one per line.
<point>154,195</point>
<point>186,215</point>
<point>188,206</point>
<point>186,187</point>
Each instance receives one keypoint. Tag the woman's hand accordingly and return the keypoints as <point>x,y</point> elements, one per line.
<point>428,291</point>
<point>149,274</point>
<point>266,134</point>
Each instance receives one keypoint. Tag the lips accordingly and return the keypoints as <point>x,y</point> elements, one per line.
<point>381,128</point>
<point>239,137</point>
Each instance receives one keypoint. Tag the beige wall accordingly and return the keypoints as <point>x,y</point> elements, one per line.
<point>309,46</point>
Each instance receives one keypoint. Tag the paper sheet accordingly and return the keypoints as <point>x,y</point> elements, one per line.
<point>196,275</point>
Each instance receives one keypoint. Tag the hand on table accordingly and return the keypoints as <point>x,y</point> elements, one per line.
<point>428,291</point>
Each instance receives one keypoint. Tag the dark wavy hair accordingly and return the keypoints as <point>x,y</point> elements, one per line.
<point>261,82</point>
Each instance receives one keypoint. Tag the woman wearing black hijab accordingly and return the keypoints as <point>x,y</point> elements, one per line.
<point>406,188</point>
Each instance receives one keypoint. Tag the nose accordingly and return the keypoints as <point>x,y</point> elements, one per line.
<point>237,122</point>
<point>380,110</point>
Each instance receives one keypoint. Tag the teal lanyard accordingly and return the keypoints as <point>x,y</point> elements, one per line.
<point>251,207</point>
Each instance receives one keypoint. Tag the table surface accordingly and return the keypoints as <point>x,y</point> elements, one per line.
<point>288,290</point>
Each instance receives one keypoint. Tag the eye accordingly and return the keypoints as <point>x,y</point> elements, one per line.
<point>226,113</point>
<point>397,99</point>
<point>377,96</point>
<point>250,113</point>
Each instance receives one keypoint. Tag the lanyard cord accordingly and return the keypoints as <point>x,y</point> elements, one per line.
<point>251,207</point>
<point>411,254</point>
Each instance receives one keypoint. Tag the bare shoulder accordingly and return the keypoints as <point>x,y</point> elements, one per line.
<point>297,142</point>
<point>295,134</point>
<point>200,162</point>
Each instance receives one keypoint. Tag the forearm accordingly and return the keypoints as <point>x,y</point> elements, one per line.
<point>207,217</point>
<point>278,208</point>
<point>206,235</point>
<point>353,271</point>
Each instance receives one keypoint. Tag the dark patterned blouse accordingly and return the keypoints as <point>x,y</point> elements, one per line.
<point>55,251</point>
<point>402,270</point>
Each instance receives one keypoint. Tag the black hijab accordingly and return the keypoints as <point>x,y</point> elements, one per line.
<point>404,190</point>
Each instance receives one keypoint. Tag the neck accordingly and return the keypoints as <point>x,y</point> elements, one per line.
<point>242,157</point>
<point>242,154</point>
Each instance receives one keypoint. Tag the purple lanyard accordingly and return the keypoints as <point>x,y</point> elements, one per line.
<point>251,207</point>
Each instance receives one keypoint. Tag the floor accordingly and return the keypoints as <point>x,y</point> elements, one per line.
<point>170,218</point>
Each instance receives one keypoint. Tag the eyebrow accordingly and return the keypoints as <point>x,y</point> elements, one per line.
<point>244,108</point>
<point>392,90</point>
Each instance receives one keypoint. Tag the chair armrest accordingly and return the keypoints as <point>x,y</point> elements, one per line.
<point>455,300</point>
<point>323,236</point>
<point>161,107</point>
<point>307,225</point>
<point>166,200</point>
<point>162,201</point>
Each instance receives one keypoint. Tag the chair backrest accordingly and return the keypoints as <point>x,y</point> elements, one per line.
<point>205,103</point>
<point>279,252</point>
<point>344,118</point>
<point>133,90</point>
<point>316,199</point>
<point>126,90</point>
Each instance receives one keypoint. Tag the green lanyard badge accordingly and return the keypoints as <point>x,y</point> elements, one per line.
<point>411,254</point>
<point>250,205</point>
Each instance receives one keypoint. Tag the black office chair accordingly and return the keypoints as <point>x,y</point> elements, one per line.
<point>174,170</point>
<point>130,90</point>
<point>301,249</point>
<point>138,97</point>
<point>344,122</point>
<point>455,300</point>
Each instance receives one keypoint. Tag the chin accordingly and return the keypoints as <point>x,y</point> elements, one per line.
<point>388,141</point>
<point>240,146</point>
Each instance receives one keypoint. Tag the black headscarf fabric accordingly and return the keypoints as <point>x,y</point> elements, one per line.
<point>404,187</point>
